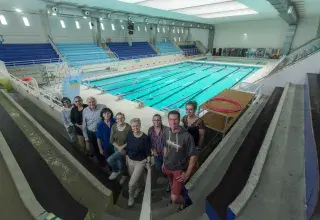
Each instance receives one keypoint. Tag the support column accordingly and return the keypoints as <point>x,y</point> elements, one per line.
<point>45,22</point>
<point>289,39</point>
<point>211,39</point>
<point>318,32</point>
<point>98,33</point>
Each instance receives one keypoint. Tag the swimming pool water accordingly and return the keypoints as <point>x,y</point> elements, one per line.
<point>170,87</point>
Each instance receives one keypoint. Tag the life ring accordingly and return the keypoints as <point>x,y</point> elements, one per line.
<point>27,79</point>
<point>223,110</point>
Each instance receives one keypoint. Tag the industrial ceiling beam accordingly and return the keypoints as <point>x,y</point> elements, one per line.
<point>286,10</point>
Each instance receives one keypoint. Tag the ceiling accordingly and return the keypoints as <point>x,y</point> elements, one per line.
<point>202,11</point>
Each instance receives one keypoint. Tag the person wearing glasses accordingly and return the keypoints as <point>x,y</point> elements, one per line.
<point>180,157</point>
<point>65,114</point>
<point>76,119</point>
<point>118,138</point>
<point>138,158</point>
<point>91,118</point>
<point>103,133</point>
<point>194,124</point>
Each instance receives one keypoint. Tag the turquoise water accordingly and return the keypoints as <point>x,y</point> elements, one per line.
<point>170,87</point>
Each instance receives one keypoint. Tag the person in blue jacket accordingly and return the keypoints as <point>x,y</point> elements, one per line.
<point>103,132</point>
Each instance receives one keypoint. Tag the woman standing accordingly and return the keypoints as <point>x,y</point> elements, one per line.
<point>65,114</point>
<point>194,124</point>
<point>118,138</point>
<point>103,132</point>
<point>76,119</point>
<point>138,157</point>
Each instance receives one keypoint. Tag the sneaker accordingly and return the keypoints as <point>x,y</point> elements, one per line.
<point>123,178</point>
<point>137,193</point>
<point>130,201</point>
<point>114,175</point>
<point>168,188</point>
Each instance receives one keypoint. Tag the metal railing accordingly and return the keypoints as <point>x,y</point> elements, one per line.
<point>54,102</point>
<point>191,52</point>
<point>55,47</point>
<point>146,213</point>
<point>29,62</point>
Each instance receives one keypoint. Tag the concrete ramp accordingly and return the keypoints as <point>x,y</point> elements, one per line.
<point>276,186</point>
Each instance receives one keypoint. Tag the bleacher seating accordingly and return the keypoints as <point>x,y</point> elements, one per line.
<point>77,54</point>
<point>167,47</point>
<point>25,54</point>
<point>189,50</point>
<point>137,50</point>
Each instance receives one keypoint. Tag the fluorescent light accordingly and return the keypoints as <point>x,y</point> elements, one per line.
<point>18,10</point>
<point>62,24</point>
<point>131,1</point>
<point>229,13</point>
<point>84,17</point>
<point>77,25</point>
<point>138,28</point>
<point>182,24</point>
<point>178,30</point>
<point>101,19</point>
<point>225,6</point>
<point>164,30</point>
<point>102,26</point>
<point>26,21</point>
<point>145,28</point>
<point>3,20</point>
<point>175,39</point>
<point>179,39</point>
<point>158,29</point>
<point>113,28</point>
<point>182,30</point>
<point>177,4</point>
<point>90,25</point>
<point>122,27</point>
<point>173,31</point>
<point>121,21</point>
<point>54,14</point>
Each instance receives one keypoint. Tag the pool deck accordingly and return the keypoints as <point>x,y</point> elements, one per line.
<point>131,110</point>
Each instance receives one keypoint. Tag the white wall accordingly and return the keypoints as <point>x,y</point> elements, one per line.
<point>17,32</point>
<point>306,31</point>
<point>251,34</point>
<point>201,35</point>
<point>70,33</point>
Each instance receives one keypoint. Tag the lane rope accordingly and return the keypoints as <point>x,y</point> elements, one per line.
<point>224,110</point>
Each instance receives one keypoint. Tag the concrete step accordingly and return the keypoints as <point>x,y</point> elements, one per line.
<point>130,214</point>
<point>161,213</point>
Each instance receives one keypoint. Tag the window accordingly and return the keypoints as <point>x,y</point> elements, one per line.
<point>3,20</point>
<point>175,39</point>
<point>77,25</point>
<point>26,21</point>
<point>62,24</point>
<point>90,25</point>
<point>113,28</point>
<point>145,28</point>
<point>138,28</point>
<point>102,26</point>
<point>164,30</point>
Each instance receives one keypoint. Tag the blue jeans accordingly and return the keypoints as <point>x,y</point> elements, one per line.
<point>116,162</point>
<point>158,161</point>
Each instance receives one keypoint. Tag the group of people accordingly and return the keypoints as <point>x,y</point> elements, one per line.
<point>121,146</point>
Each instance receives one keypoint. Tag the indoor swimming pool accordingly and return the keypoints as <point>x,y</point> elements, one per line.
<point>170,87</point>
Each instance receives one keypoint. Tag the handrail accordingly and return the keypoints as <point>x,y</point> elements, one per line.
<point>303,45</point>
<point>55,47</point>
<point>28,62</point>
<point>146,213</point>
<point>54,101</point>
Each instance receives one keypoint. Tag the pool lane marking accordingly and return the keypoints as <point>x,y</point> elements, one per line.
<point>195,81</point>
<point>165,76</point>
<point>202,90</point>
<point>173,88</point>
<point>143,76</point>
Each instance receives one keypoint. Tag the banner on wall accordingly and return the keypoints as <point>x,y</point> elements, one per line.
<point>71,86</point>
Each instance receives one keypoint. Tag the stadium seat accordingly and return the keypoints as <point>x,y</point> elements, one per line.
<point>190,49</point>
<point>25,54</point>
<point>137,50</point>
<point>78,54</point>
<point>167,48</point>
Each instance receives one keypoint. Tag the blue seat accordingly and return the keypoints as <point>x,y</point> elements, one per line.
<point>27,53</point>
<point>190,49</point>
<point>78,54</point>
<point>167,48</point>
<point>137,50</point>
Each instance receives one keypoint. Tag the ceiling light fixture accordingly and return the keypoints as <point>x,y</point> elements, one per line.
<point>229,13</point>
<point>18,10</point>
<point>101,19</point>
<point>84,17</point>
<point>54,14</point>
<point>131,1</point>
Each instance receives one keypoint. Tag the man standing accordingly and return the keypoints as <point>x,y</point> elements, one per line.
<point>180,156</point>
<point>91,117</point>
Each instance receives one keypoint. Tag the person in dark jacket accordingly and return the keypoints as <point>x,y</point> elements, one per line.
<point>76,119</point>
<point>138,157</point>
<point>65,114</point>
